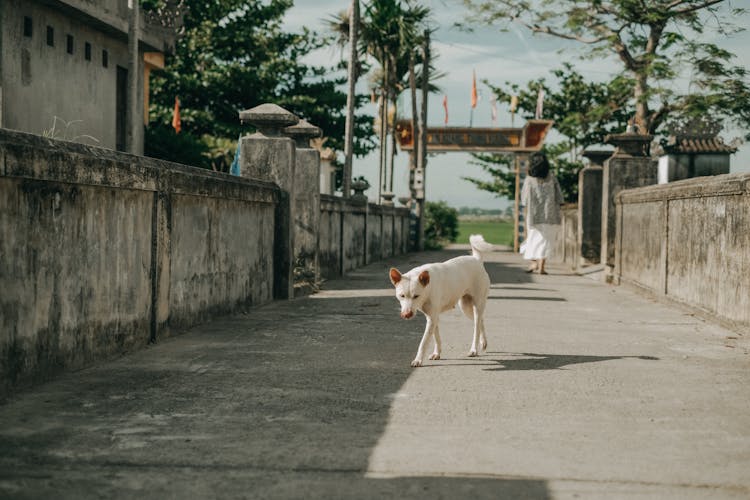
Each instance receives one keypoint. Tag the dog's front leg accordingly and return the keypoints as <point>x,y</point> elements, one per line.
<point>428,331</point>
<point>436,353</point>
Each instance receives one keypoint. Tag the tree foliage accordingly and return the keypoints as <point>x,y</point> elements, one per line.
<point>233,55</point>
<point>656,42</point>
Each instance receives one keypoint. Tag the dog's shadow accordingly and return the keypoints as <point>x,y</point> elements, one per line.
<point>520,361</point>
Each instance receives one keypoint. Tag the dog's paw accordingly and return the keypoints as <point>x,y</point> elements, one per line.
<point>435,356</point>
<point>484,345</point>
<point>416,363</point>
<point>472,354</point>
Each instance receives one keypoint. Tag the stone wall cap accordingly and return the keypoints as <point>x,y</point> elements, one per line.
<point>629,143</point>
<point>597,156</point>
<point>268,116</point>
<point>627,137</point>
<point>304,128</point>
<point>303,132</point>
<point>696,187</point>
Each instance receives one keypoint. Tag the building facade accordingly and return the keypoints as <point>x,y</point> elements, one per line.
<point>64,70</point>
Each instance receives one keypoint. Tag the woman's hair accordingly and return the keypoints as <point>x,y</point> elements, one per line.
<point>538,165</point>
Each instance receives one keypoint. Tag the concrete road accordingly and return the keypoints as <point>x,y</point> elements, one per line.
<point>586,391</point>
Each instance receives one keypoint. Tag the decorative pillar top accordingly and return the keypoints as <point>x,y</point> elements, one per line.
<point>596,157</point>
<point>269,119</point>
<point>302,133</point>
<point>630,144</point>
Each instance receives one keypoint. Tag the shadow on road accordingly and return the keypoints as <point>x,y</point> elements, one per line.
<point>526,297</point>
<point>532,361</point>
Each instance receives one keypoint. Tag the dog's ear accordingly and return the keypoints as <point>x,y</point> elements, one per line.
<point>424,278</point>
<point>395,275</point>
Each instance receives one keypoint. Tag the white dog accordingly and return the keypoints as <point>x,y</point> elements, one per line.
<point>439,287</point>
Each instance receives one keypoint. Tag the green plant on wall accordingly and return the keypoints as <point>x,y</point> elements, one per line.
<point>66,131</point>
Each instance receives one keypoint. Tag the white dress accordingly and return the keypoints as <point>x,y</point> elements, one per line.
<point>542,198</point>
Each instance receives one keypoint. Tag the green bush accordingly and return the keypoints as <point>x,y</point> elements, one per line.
<point>441,225</point>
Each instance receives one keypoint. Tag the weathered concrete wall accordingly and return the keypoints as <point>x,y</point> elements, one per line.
<point>621,171</point>
<point>375,238</point>
<point>353,235</point>
<point>690,241</point>
<point>590,214</point>
<point>272,158</point>
<point>101,252</point>
<point>354,239</point>
<point>329,240</point>
<point>307,208</point>
<point>566,246</point>
<point>220,257</point>
<point>642,237</point>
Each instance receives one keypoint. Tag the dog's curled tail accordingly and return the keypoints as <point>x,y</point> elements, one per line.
<point>479,246</point>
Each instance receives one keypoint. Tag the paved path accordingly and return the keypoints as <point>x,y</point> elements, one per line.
<point>586,391</point>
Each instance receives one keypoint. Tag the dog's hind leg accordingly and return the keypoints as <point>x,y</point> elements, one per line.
<point>436,353</point>
<point>479,337</point>
<point>482,334</point>
<point>429,329</point>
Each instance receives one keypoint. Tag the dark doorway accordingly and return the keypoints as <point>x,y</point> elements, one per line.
<point>121,109</point>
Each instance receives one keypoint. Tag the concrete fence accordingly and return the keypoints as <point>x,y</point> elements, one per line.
<point>102,252</point>
<point>690,242</point>
<point>354,234</point>
<point>566,248</point>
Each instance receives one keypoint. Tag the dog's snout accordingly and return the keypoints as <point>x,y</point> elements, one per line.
<point>407,314</point>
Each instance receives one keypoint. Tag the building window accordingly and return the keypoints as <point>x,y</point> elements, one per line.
<point>69,43</point>
<point>27,26</point>
<point>87,51</point>
<point>105,58</point>
<point>50,36</point>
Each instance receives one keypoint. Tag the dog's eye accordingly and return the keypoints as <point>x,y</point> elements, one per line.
<point>416,296</point>
<point>402,295</point>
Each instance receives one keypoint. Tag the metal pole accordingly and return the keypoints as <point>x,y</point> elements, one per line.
<point>517,205</point>
<point>422,153</point>
<point>133,69</point>
<point>414,121</point>
<point>350,99</point>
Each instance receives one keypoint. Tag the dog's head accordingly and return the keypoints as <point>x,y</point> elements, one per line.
<point>411,291</point>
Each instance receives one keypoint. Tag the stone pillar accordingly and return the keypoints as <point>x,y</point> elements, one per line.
<point>629,167</point>
<point>590,207</point>
<point>306,205</point>
<point>268,155</point>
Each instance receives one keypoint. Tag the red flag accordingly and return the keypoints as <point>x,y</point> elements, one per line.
<point>445,106</point>
<point>176,124</point>
<point>474,97</point>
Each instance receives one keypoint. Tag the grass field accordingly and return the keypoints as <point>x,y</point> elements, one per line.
<point>495,232</point>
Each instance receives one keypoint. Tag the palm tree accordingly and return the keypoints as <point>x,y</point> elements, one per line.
<point>389,32</point>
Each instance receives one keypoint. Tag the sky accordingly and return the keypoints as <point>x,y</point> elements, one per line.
<point>514,56</point>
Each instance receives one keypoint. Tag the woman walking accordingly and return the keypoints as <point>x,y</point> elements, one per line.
<point>542,197</point>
